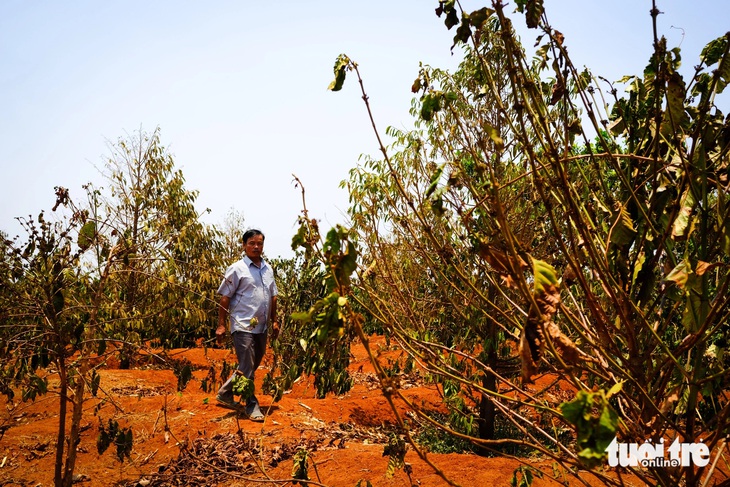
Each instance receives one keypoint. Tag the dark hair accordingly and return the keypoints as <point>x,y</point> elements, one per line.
<point>252,233</point>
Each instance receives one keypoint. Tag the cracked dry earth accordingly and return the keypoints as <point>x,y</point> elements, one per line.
<point>184,439</point>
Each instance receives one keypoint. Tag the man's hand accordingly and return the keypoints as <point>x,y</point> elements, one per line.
<point>220,334</point>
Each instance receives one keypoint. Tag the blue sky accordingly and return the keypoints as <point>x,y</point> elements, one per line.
<point>238,89</point>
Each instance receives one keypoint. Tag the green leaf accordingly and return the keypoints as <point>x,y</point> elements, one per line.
<point>431,104</point>
<point>302,316</point>
<point>342,64</point>
<point>435,178</point>
<point>494,135</point>
<point>714,50</point>
<point>545,276</point>
<point>243,387</point>
<point>86,235</point>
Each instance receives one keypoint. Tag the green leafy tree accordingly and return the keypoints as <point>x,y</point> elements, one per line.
<point>312,340</point>
<point>170,261</point>
<point>47,321</point>
<point>68,289</point>
<point>520,220</point>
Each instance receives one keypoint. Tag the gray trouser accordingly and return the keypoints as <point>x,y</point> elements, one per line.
<point>250,349</point>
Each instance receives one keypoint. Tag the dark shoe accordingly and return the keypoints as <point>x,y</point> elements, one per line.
<point>227,403</point>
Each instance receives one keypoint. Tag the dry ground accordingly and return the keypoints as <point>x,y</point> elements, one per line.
<point>185,439</point>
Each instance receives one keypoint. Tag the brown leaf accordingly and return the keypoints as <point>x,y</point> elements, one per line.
<point>501,262</point>
<point>530,349</point>
<point>558,92</point>
<point>703,267</point>
<point>540,326</point>
<point>568,351</point>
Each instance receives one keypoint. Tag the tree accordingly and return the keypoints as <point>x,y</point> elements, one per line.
<point>232,231</point>
<point>47,320</point>
<point>312,338</point>
<point>594,247</point>
<point>129,267</point>
<point>171,261</point>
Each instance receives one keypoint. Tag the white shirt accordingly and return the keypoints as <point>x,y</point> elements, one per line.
<point>250,289</point>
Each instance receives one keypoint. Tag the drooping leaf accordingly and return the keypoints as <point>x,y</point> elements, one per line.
<point>545,277</point>
<point>448,7</point>
<point>687,205</point>
<point>431,104</point>
<point>676,93</point>
<point>622,229</point>
<point>595,423</point>
<point>714,50</point>
<point>494,136</point>
<point>679,274</point>
<point>533,12</point>
<point>86,235</point>
<point>692,318</point>
<point>300,469</point>
<point>342,64</point>
<point>435,178</point>
<point>478,17</point>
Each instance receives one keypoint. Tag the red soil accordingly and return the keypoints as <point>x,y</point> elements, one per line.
<point>345,435</point>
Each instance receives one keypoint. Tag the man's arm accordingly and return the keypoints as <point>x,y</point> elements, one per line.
<point>220,332</point>
<point>272,319</point>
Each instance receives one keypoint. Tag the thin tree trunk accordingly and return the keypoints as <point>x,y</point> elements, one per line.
<point>61,437</point>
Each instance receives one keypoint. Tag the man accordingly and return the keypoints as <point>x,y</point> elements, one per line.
<point>248,296</point>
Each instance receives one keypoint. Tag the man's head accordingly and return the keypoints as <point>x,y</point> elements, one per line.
<point>253,244</point>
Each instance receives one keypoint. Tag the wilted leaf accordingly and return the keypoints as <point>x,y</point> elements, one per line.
<point>539,322</point>
<point>564,345</point>
<point>675,105</point>
<point>703,267</point>
<point>714,50</point>
<point>435,178</point>
<point>692,318</point>
<point>447,7</point>
<point>558,92</point>
<point>681,223</point>
<point>478,17</point>
<point>342,64</point>
<point>615,389</point>
<point>622,229</point>
<point>494,135</point>
<point>534,11</point>
<point>500,261</point>
<point>462,33</point>
<point>679,274</point>
<point>530,348</point>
